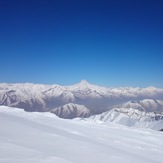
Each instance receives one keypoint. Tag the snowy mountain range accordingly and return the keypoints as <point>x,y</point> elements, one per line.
<point>80,100</point>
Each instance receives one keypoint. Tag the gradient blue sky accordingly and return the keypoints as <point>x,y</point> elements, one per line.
<point>110,43</point>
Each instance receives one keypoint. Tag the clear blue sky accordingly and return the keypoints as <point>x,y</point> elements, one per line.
<point>110,43</point>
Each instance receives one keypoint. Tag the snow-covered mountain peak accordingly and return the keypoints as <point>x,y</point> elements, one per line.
<point>83,83</point>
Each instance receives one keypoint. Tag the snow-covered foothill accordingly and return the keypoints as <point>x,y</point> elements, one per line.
<point>131,117</point>
<point>71,110</point>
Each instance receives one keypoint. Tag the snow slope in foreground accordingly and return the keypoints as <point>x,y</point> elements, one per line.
<point>44,138</point>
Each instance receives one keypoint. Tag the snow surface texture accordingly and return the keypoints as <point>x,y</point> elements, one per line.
<point>131,117</point>
<point>44,138</point>
<point>91,98</point>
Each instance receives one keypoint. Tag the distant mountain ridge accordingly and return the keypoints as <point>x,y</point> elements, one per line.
<point>148,105</point>
<point>56,98</point>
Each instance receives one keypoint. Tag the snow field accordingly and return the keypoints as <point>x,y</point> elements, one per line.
<point>44,138</point>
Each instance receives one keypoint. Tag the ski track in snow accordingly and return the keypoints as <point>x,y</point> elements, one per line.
<point>44,138</point>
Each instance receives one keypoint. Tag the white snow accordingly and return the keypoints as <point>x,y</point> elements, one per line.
<point>44,138</point>
<point>131,117</point>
